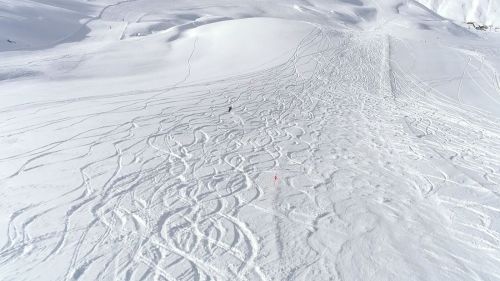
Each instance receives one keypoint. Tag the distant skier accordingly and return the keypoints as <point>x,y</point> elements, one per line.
<point>230,108</point>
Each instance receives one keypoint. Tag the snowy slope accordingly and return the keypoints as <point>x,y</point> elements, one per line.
<point>247,140</point>
<point>32,24</point>
<point>486,12</point>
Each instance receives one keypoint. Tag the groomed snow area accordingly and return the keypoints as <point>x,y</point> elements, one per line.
<point>247,140</point>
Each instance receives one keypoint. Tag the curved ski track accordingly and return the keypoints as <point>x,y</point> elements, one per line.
<point>169,185</point>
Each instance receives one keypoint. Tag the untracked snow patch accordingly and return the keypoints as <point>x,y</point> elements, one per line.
<point>485,12</point>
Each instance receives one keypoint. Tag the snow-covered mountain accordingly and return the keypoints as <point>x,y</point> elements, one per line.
<point>248,140</point>
<point>485,12</point>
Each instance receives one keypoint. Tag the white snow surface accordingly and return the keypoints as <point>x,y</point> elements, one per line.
<point>485,12</point>
<point>247,140</point>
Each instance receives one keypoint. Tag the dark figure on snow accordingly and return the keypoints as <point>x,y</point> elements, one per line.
<point>230,108</point>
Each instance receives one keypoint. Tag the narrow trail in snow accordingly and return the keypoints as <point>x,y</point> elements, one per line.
<point>172,186</point>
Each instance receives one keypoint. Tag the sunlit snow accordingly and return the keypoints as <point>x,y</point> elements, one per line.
<point>249,140</point>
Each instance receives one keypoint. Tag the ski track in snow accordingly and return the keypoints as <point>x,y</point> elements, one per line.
<point>175,187</point>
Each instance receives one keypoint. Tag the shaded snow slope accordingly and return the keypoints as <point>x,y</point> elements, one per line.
<point>248,140</point>
<point>29,24</point>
